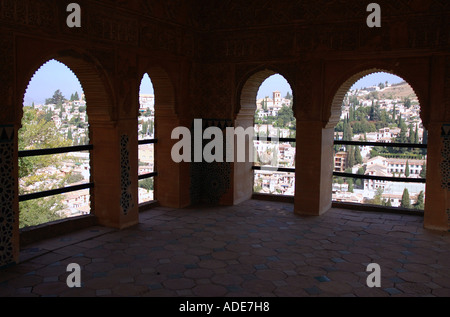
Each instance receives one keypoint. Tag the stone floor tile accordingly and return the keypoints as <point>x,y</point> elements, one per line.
<point>209,290</point>
<point>257,248</point>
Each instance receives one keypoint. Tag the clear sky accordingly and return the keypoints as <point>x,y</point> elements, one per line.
<point>277,82</point>
<point>274,82</point>
<point>54,75</point>
<point>146,87</point>
<point>376,78</point>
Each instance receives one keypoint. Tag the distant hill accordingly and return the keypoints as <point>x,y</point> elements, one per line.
<point>398,91</point>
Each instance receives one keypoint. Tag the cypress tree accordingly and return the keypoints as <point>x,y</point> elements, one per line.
<point>423,171</point>
<point>405,203</point>
<point>407,169</point>
<point>388,203</point>
<point>416,135</point>
<point>358,157</point>
<point>411,134</point>
<point>420,205</point>
<point>350,156</point>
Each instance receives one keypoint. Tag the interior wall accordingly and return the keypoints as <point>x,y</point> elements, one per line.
<point>208,49</point>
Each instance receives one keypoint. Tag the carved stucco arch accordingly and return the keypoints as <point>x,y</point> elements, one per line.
<point>249,86</point>
<point>346,84</point>
<point>94,81</point>
<point>163,89</point>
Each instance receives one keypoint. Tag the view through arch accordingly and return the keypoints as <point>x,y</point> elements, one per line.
<point>146,131</point>
<point>381,108</point>
<point>54,116</point>
<point>274,118</point>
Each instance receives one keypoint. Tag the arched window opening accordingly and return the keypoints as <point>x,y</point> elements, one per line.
<point>53,143</point>
<point>380,138</point>
<point>274,147</point>
<point>146,134</point>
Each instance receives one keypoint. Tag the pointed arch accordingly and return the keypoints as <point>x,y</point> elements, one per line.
<point>334,111</point>
<point>163,89</point>
<point>249,85</point>
<point>90,73</point>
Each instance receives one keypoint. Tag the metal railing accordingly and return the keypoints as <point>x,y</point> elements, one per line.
<point>351,143</point>
<point>51,151</point>
<point>68,189</point>
<point>381,144</point>
<point>274,168</point>
<point>152,174</point>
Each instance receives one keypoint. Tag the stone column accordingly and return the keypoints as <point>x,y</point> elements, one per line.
<point>242,174</point>
<point>437,192</point>
<point>114,173</point>
<point>313,168</point>
<point>172,184</point>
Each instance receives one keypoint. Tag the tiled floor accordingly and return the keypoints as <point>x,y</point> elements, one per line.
<point>257,248</point>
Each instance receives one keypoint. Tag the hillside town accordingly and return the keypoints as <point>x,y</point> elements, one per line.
<point>274,118</point>
<point>146,130</point>
<point>384,113</point>
<point>373,114</point>
<point>68,119</point>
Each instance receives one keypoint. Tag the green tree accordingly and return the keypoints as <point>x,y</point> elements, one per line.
<point>388,202</point>
<point>264,104</point>
<point>351,156</point>
<point>407,169</point>
<point>69,134</point>
<point>350,185</point>
<point>416,134</point>
<point>407,103</point>
<point>151,126</point>
<point>288,96</point>
<point>405,203</point>
<point>144,130</point>
<point>411,137</point>
<point>348,131</point>
<point>57,97</point>
<point>146,183</point>
<point>420,204</point>
<point>37,211</point>
<point>358,157</point>
<point>36,133</point>
<point>377,199</point>
<point>286,115</point>
<point>359,182</point>
<point>423,171</point>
